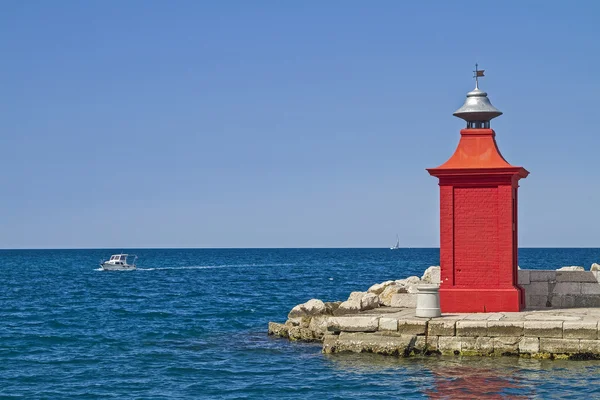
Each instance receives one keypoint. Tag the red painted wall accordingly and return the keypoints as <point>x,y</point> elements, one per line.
<point>476,250</point>
<point>478,227</point>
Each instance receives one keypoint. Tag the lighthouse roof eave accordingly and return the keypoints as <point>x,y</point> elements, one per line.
<point>477,151</point>
<point>518,172</point>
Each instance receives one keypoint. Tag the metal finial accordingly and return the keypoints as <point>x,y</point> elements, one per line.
<point>477,109</point>
<point>476,74</point>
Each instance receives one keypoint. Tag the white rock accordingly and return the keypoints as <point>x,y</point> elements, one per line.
<point>369,301</point>
<point>405,300</point>
<point>573,268</point>
<point>297,311</point>
<point>348,307</point>
<point>431,275</point>
<point>413,280</point>
<point>356,296</point>
<point>319,324</point>
<point>310,308</point>
<point>595,267</point>
<point>314,307</point>
<point>378,288</point>
<point>412,289</point>
<point>385,298</point>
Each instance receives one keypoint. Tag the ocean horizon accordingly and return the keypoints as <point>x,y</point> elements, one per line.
<point>264,248</point>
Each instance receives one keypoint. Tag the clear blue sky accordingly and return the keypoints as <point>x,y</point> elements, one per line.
<point>286,124</point>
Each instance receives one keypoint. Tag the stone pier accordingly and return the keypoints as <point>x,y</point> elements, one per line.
<point>568,333</point>
<point>561,321</point>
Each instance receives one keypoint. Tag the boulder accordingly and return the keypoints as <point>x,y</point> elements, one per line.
<point>369,301</point>
<point>302,322</point>
<point>385,298</point>
<point>304,334</point>
<point>278,329</point>
<point>431,275</point>
<point>401,282</point>
<point>330,307</point>
<point>297,312</point>
<point>378,288</point>
<point>348,307</point>
<point>310,308</point>
<point>318,326</point>
<point>573,268</point>
<point>356,296</point>
<point>412,289</point>
<point>314,307</point>
<point>595,267</point>
<point>411,280</point>
<point>358,301</point>
<point>295,321</point>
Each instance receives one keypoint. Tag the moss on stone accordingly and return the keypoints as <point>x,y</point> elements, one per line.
<point>471,353</point>
<point>542,356</point>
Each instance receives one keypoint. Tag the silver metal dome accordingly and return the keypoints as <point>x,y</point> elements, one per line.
<point>477,107</point>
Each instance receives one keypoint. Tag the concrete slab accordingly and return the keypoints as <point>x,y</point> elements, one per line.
<point>413,326</point>
<point>437,327</point>
<point>580,330</point>
<point>539,329</point>
<point>559,346</point>
<point>542,276</point>
<point>575,276</point>
<point>388,324</point>
<point>505,328</point>
<point>475,328</point>
<point>524,277</point>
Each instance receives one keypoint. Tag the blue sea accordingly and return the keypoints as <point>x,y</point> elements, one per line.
<point>192,324</point>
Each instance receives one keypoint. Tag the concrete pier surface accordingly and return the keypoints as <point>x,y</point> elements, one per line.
<point>560,333</point>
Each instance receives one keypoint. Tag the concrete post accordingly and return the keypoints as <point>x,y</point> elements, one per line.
<point>428,301</point>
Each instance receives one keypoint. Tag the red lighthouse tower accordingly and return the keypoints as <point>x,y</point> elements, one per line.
<point>478,217</point>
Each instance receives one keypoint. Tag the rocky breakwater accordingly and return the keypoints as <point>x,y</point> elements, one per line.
<point>361,312</point>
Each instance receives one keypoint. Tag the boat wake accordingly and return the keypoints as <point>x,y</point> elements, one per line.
<point>174,268</point>
<point>213,266</point>
<point>207,267</point>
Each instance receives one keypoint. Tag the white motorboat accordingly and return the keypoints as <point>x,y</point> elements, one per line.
<point>397,245</point>
<point>118,262</point>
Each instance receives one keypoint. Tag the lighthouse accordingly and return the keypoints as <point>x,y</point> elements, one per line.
<point>478,216</point>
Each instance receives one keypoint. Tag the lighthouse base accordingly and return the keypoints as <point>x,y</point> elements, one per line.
<point>481,300</point>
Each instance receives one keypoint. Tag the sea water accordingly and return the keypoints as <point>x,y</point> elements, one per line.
<point>192,324</point>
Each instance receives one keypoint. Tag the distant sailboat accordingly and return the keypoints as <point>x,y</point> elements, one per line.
<point>397,245</point>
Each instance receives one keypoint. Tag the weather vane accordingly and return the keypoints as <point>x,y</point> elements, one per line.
<point>476,74</point>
